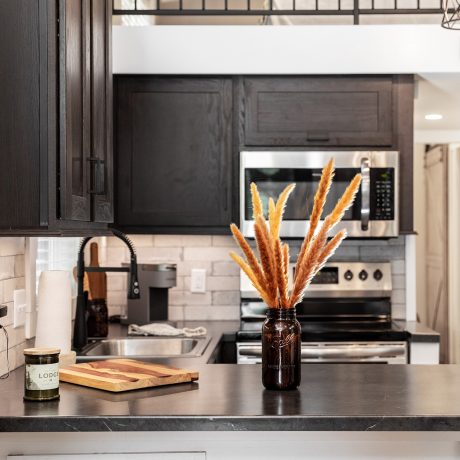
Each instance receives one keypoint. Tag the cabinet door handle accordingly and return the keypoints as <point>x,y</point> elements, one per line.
<point>365,193</point>
<point>97,174</point>
<point>323,137</point>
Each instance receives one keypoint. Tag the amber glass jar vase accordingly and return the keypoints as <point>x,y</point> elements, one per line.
<point>281,349</point>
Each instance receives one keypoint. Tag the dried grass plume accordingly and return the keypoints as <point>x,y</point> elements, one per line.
<point>269,273</point>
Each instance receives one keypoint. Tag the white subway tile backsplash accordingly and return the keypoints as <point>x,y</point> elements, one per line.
<point>11,278</point>
<point>6,267</point>
<point>213,254</point>
<point>223,283</point>
<point>10,285</point>
<point>141,241</point>
<point>226,298</point>
<point>185,298</point>
<point>398,282</point>
<point>159,255</point>
<point>222,240</point>
<point>15,358</point>
<point>398,267</point>
<point>9,318</point>
<point>176,313</point>
<point>217,283</point>
<point>221,299</point>
<point>116,282</point>
<point>182,240</point>
<point>398,296</point>
<point>117,298</point>
<point>11,246</point>
<point>398,311</point>
<point>185,268</point>
<point>225,269</point>
<point>116,255</point>
<point>203,313</point>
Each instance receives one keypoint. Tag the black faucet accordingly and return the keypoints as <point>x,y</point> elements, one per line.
<point>80,335</point>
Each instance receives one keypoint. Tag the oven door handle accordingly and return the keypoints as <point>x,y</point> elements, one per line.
<point>365,193</point>
<point>350,352</point>
<point>255,351</point>
<point>354,352</point>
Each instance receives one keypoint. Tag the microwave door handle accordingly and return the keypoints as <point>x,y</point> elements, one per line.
<point>365,193</point>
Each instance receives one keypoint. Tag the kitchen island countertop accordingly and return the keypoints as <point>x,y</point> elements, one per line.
<point>228,397</point>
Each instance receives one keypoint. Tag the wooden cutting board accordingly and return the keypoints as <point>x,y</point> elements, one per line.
<point>124,374</point>
<point>97,280</point>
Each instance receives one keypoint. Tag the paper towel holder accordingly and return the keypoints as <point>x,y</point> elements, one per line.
<point>80,336</point>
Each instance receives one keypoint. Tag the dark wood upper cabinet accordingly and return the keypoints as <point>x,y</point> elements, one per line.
<point>174,154</point>
<point>56,114</point>
<point>75,108</point>
<point>101,151</point>
<point>320,112</point>
<point>317,111</point>
<point>178,139</point>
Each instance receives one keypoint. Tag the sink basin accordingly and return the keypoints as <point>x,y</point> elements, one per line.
<point>146,347</point>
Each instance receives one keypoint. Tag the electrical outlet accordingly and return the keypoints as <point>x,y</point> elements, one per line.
<point>3,310</point>
<point>19,299</point>
<point>198,282</point>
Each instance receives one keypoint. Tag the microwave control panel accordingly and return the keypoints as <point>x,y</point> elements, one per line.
<point>382,194</point>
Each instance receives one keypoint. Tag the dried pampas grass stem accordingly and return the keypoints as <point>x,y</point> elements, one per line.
<point>270,273</point>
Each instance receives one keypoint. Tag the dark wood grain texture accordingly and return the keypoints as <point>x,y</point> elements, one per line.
<point>403,129</point>
<point>19,113</point>
<point>102,105</point>
<point>318,110</point>
<point>46,86</point>
<point>75,109</point>
<point>174,154</point>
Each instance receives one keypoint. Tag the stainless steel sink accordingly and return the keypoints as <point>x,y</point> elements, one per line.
<point>146,347</point>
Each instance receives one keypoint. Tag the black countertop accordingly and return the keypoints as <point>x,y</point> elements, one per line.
<point>332,397</point>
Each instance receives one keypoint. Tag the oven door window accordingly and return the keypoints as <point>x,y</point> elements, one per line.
<point>271,181</point>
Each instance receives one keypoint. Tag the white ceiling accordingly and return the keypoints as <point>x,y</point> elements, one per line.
<point>437,93</point>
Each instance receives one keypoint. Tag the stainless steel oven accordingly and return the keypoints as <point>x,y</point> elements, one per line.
<point>345,317</point>
<point>374,213</point>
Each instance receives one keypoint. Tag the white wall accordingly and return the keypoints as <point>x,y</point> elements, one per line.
<point>285,50</point>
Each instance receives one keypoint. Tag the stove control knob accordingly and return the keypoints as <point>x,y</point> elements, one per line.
<point>348,275</point>
<point>378,275</point>
<point>363,275</point>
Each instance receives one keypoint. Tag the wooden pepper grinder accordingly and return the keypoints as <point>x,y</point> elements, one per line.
<point>98,315</point>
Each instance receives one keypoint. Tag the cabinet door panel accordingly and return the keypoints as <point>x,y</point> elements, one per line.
<point>174,152</point>
<point>300,111</point>
<point>20,115</point>
<point>75,129</point>
<point>101,175</point>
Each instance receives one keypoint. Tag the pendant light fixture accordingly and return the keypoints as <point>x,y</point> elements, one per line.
<point>451,14</point>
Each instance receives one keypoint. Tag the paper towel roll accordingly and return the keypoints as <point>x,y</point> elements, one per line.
<point>54,323</point>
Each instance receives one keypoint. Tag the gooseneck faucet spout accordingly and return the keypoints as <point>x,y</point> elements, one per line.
<point>80,335</point>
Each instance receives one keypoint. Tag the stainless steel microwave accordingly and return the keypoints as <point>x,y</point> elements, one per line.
<point>374,213</point>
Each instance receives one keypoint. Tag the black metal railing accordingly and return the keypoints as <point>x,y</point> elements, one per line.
<point>351,8</point>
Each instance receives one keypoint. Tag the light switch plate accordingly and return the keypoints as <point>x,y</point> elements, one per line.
<point>198,281</point>
<point>19,309</point>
